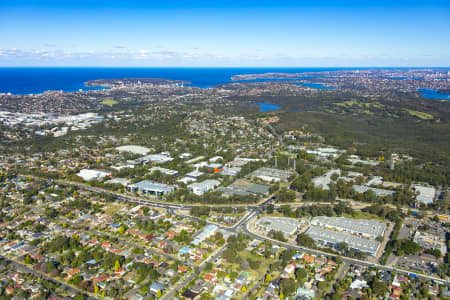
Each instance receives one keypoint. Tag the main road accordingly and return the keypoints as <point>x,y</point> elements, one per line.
<point>245,228</point>
<point>242,225</point>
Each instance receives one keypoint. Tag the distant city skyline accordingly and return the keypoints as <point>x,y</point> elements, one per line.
<point>219,33</point>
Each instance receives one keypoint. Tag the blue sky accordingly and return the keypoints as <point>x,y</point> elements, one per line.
<point>225,33</point>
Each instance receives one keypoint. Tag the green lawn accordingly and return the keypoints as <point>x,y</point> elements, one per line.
<point>419,114</point>
<point>109,102</point>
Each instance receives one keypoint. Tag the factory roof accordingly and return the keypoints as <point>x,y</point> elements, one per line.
<point>151,185</point>
<point>270,174</point>
<point>369,227</point>
<point>335,237</point>
<point>425,194</point>
<point>378,192</point>
<point>285,225</point>
<point>133,149</point>
<point>244,188</point>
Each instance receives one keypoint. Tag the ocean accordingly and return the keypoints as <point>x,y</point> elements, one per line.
<point>36,80</point>
<point>40,79</point>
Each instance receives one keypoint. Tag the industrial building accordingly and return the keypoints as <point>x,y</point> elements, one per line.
<point>325,152</point>
<point>199,188</point>
<point>87,174</point>
<point>154,158</point>
<point>323,182</point>
<point>378,192</point>
<point>149,187</point>
<point>330,238</point>
<point>366,228</point>
<point>231,171</point>
<point>430,241</point>
<point>164,171</point>
<point>121,181</point>
<point>425,194</point>
<point>355,160</point>
<point>215,168</point>
<point>245,188</point>
<point>271,174</point>
<point>287,226</point>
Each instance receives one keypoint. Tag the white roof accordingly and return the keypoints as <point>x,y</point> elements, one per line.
<point>87,174</point>
<point>133,149</point>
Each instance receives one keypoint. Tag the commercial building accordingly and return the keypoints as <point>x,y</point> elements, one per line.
<point>325,152</point>
<point>164,171</point>
<point>378,192</point>
<point>134,149</point>
<point>245,188</point>
<point>204,234</point>
<point>330,238</point>
<point>149,187</point>
<point>271,174</point>
<point>154,158</point>
<point>215,168</point>
<point>240,161</point>
<point>87,174</point>
<point>425,194</point>
<point>355,160</point>
<point>430,241</point>
<point>199,188</point>
<point>323,182</point>
<point>231,171</point>
<point>121,181</point>
<point>194,174</point>
<point>366,228</point>
<point>287,226</point>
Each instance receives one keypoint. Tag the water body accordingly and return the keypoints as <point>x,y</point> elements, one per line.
<point>319,86</point>
<point>263,106</point>
<point>432,94</point>
<point>37,80</point>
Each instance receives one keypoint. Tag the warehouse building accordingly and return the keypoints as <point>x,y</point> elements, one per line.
<point>323,182</point>
<point>231,171</point>
<point>245,188</point>
<point>154,158</point>
<point>378,192</point>
<point>329,238</point>
<point>149,187</point>
<point>164,171</point>
<point>425,194</point>
<point>366,228</point>
<point>430,241</point>
<point>87,174</point>
<point>287,226</point>
<point>199,188</point>
<point>271,174</point>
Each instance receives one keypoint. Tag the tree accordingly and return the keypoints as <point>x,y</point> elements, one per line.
<point>379,288</point>
<point>27,260</point>
<point>158,294</point>
<point>121,230</point>
<point>287,286</point>
<point>117,265</point>
<point>268,278</point>
<point>301,274</point>
<point>305,240</point>
<point>408,246</point>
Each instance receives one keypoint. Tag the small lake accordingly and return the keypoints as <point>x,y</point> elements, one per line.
<point>432,94</point>
<point>264,107</point>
